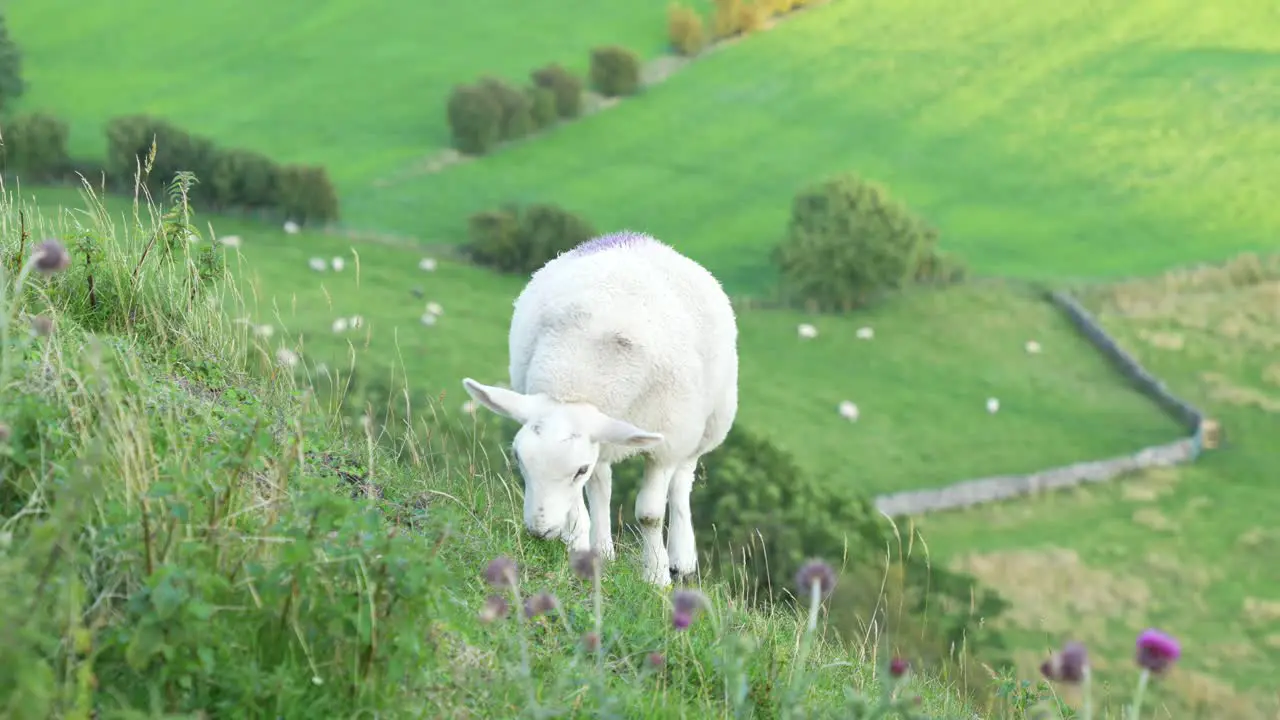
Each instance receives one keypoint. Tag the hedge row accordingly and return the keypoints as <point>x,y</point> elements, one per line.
<point>687,32</point>
<point>35,147</point>
<point>492,111</point>
<point>519,241</point>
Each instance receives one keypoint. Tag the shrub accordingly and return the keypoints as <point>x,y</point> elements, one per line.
<point>566,87</point>
<point>306,194</point>
<point>475,119</point>
<point>685,30</point>
<point>129,140</point>
<point>35,146</point>
<point>542,106</point>
<point>847,240</point>
<point>514,108</point>
<point>243,178</point>
<point>11,83</point>
<point>725,17</point>
<point>751,16</point>
<point>514,241</point>
<point>615,71</point>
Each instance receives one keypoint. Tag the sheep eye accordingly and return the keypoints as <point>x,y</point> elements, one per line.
<point>582,471</point>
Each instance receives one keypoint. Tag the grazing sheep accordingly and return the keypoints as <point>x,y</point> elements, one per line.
<point>338,264</point>
<point>848,410</point>
<point>1033,347</point>
<point>619,346</point>
<point>434,308</point>
<point>291,227</point>
<point>231,241</point>
<point>355,322</point>
<point>428,319</point>
<point>318,264</point>
<point>993,405</point>
<point>427,264</point>
<point>806,331</point>
<point>340,325</point>
<point>865,333</point>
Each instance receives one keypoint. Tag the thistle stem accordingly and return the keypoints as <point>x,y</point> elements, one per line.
<point>1138,694</point>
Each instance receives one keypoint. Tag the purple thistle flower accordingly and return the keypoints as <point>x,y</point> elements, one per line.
<point>494,608</point>
<point>1156,650</point>
<point>685,605</point>
<point>657,660</point>
<point>898,667</point>
<point>585,563</point>
<point>501,573</point>
<point>540,604</point>
<point>1067,666</point>
<point>815,572</point>
<point>591,641</point>
<point>51,257</point>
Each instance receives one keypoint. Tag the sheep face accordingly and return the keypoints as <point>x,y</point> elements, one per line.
<point>557,448</point>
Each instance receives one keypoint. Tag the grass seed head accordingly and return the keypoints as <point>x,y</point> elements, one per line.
<point>501,572</point>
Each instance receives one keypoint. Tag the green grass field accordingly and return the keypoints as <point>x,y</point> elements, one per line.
<point>1077,140</point>
<point>936,355</point>
<point>361,91</point>
<point>1191,550</point>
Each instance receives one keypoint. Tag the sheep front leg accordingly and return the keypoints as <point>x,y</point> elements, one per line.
<point>651,510</point>
<point>599,495</point>
<point>577,529</point>
<point>682,549</point>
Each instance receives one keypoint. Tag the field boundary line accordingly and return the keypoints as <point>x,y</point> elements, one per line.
<point>968,493</point>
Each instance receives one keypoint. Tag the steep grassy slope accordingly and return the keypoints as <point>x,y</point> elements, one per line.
<point>358,88</point>
<point>1097,139</point>
<point>1191,550</point>
<point>182,532</point>
<point>921,384</point>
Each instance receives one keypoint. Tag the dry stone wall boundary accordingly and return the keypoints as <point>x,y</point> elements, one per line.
<point>968,493</point>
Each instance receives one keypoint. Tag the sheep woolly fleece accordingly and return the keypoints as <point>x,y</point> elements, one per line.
<point>627,326</point>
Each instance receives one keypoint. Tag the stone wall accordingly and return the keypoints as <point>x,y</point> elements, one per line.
<point>983,490</point>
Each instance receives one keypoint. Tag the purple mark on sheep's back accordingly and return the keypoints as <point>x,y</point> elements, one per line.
<point>625,238</point>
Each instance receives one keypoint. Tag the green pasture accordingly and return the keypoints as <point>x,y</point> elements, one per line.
<point>360,89</point>
<point>1056,140</point>
<point>1190,550</point>
<point>921,384</point>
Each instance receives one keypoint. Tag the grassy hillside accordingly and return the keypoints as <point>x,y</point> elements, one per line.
<point>936,355</point>
<point>1191,548</point>
<point>183,532</point>
<point>361,90</point>
<point>1080,140</point>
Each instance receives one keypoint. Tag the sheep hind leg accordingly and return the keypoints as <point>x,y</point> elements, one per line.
<point>682,548</point>
<point>651,510</point>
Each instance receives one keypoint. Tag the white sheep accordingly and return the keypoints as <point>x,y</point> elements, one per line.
<point>993,405</point>
<point>1033,347</point>
<point>318,264</point>
<point>865,333</point>
<point>434,308</point>
<point>231,241</point>
<point>848,410</point>
<point>291,227</point>
<point>806,331</point>
<point>427,264</point>
<point>340,325</point>
<point>338,264</point>
<point>618,347</point>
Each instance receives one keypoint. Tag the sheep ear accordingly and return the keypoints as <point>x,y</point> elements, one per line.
<point>621,432</point>
<point>502,401</point>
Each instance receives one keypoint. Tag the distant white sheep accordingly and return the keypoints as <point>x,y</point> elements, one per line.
<point>848,410</point>
<point>865,333</point>
<point>291,227</point>
<point>427,264</point>
<point>434,308</point>
<point>428,319</point>
<point>231,241</point>
<point>355,322</point>
<point>340,325</point>
<point>806,331</point>
<point>993,405</point>
<point>338,264</point>
<point>1033,347</point>
<point>286,357</point>
<point>618,347</point>
<point>318,264</point>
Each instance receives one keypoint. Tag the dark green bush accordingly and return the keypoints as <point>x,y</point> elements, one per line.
<point>566,87</point>
<point>12,86</point>
<point>516,109</point>
<point>615,71</point>
<point>306,194</point>
<point>847,240</point>
<point>542,107</point>
<point>475,119</point>
<point>243,178</point>
<point>129,140</point>
<point>513,241</point>
<point>35,147</point>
